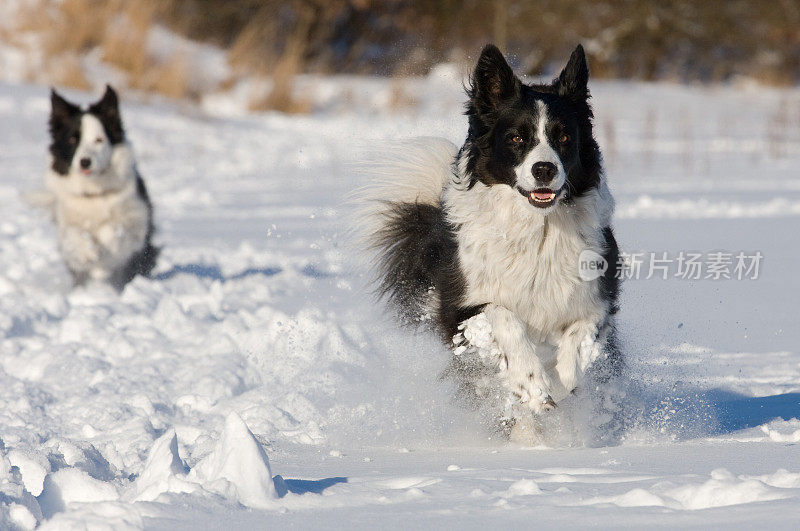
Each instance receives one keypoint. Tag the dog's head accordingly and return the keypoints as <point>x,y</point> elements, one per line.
<point>83,141</point>
<point>536,139</point>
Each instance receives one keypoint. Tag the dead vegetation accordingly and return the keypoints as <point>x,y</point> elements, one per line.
<point>681,40</point>
<point>116,29</point>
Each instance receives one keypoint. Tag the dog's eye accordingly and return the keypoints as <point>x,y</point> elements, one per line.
<point>73,139</point>
<point>516,139</point>
<point>98,140</point>
<point>564,139</point>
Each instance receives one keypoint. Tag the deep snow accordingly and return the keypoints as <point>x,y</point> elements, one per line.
<point>134,409</point>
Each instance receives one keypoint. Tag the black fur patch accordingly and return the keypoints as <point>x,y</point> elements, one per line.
<point>419,266</point>
<point>65,132</point>
<point>143,262</point>
<point>610,281</point>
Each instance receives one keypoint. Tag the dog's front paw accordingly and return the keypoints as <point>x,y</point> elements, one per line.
<point>590,350</point>
<point>108,237</point>
<point>79,249</point>
<point>567,371</point>
<point>578,350</point>
<point>533,390</point>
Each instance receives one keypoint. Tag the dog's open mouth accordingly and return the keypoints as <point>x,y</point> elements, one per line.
<point>540,197</point>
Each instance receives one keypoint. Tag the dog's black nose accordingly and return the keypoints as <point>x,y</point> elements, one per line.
<point>544,171</point>
<point>86,162</point>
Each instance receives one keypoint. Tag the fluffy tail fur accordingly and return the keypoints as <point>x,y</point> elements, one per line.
<point>400,220</point>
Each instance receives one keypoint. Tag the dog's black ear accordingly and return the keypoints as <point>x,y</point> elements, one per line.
<point>107,110</point>
<point>574,79</point>
<point>60,110</point>
<point>108,105</point>
<point>493,80</point>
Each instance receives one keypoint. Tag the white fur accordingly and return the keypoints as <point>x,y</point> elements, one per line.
<point>523,370</point>
<point>100,218</point>
<point>416,171</point>
<point>524,262</point>
<point>94,146</point>
<point>541,152</point>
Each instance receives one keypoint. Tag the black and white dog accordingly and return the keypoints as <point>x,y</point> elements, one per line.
<point>98,200</point>
<point>485,241</point>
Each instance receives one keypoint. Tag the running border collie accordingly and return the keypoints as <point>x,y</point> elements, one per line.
<point>98,200</point>
<point>488,237</point>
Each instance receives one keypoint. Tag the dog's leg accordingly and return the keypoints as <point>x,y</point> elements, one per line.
<point>123,239</point>
<point>78,249</point>
<point>579,347</point>
<point>522,370</point>
<point>610,365</point>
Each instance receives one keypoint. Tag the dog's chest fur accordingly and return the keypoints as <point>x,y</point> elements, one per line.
<point>513,256</point>
<point>97,214</point>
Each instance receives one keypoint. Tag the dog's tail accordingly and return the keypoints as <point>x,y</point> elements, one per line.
<point>399,219</point>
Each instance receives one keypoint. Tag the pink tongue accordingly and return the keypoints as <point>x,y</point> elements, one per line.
<point>544,196</point>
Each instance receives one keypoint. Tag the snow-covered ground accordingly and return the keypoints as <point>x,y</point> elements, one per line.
<point>254,382</point>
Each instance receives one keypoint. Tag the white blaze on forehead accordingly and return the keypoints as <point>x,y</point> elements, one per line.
<point>542,152</point>
<point>99,152</point>
<point>541,124</point>
<point>91,129</point>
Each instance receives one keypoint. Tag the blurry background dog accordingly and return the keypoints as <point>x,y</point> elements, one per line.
<point>97,198</point>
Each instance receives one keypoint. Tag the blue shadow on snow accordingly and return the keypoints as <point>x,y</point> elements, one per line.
<point>304,486</point>
<point>213,272</point>
<point>689,413</point>
<point>735,412</point>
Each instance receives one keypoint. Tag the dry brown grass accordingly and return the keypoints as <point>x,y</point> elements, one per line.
<point>171,79</point>
<point>118,28</point>
<point>400,98</point>
<point>282,95</point>
<point>68,72</point>
<point>283,69</point>
<point>51,23</point>
<point>646,39</point>
<point>243,55</point>
<point>124,36</point>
